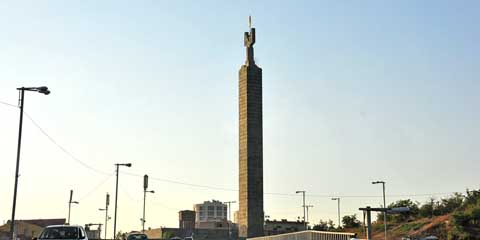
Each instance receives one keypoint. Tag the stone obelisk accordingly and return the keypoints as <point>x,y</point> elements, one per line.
<point>251,215</point>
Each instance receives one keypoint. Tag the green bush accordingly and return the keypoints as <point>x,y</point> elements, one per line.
<point>350,221</point>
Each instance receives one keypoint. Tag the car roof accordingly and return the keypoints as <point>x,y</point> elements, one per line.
<point>52,226</point>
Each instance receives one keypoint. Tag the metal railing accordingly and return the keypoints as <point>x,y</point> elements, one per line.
<point>309,235</point>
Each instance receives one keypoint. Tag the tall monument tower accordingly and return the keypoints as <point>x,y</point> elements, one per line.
<point>251,215</point>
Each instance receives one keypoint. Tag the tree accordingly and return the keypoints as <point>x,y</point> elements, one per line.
<point>448,205</point>
<point>427,209</point>
<point>466,221</point>
<point>167,235</point>
<point>321,226</point>
<point>324,226</point>
<point>473,197</point>
<point>331,225</point>
<point>404,216</point>
<point>350,221</point>
<point>121,235</point>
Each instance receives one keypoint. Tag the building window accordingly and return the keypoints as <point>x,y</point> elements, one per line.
<point>211,211</point>
<point>220,212</point>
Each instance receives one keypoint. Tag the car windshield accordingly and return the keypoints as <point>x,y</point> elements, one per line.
<point>137,237</point>
<point>60,233</point>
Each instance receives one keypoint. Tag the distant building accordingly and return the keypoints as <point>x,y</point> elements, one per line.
<point>45,222</point>
<point>213,224</point>
<point>284,226</point>
<point>93,233</point>
<point>26,229</point>
<point>235,217</point>
<point>197,234</point>
<point>186,220</point>
<point>210,211</point>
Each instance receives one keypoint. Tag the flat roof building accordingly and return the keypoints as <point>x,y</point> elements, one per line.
<point>210,211</point>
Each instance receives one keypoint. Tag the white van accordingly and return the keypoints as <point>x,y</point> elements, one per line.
<point>62,232</point>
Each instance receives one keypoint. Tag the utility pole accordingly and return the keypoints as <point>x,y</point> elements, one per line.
<point>304,208</point>
<point>338,209</point>
<point>107,202</point>
<point>229,208</point>
<point>384,206</point>
<point>145,186</point>
<point>22,90</point>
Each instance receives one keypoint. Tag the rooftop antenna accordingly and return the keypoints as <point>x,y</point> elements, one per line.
<point>250,21</point>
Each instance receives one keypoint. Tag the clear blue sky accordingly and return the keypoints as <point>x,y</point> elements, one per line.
<point>354,91</point>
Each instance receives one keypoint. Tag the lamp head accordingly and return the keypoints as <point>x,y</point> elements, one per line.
<point>399,210</point>
<point>124,164</point>
<point>43,89</point>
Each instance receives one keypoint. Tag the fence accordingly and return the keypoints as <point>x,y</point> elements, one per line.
<point>309,235</point>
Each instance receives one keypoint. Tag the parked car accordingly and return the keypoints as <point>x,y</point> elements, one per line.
<point>64,232</point>
<point>137,236</point>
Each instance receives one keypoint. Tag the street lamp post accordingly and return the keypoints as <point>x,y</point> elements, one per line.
<point>107,202</point>
<point>143,219</point>
<point>384,206</point>
<point>117,165</point>
<point>22,90</point>
<point>308,219</point>
<point>70,205</point>
<point>145,186</point>
<point>338,208</point>
<point>229,218</point>
<point>304,208</point>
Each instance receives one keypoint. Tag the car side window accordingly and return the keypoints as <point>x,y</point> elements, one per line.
<point>81,233</point>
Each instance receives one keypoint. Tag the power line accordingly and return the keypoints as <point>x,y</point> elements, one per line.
<point>181,183</point>
<point>96,187</point>
<point>8,104</point>
<point>63,149</point>
<point>213,187</point>
<point>133,199</point>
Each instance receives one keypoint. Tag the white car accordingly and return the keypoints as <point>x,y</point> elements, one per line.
<point>63,232</point>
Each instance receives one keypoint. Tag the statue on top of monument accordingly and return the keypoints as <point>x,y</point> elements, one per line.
<point>249,37</point>
<point>249,40</point>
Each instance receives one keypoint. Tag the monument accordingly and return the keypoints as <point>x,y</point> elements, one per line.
<point>251,215</point>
